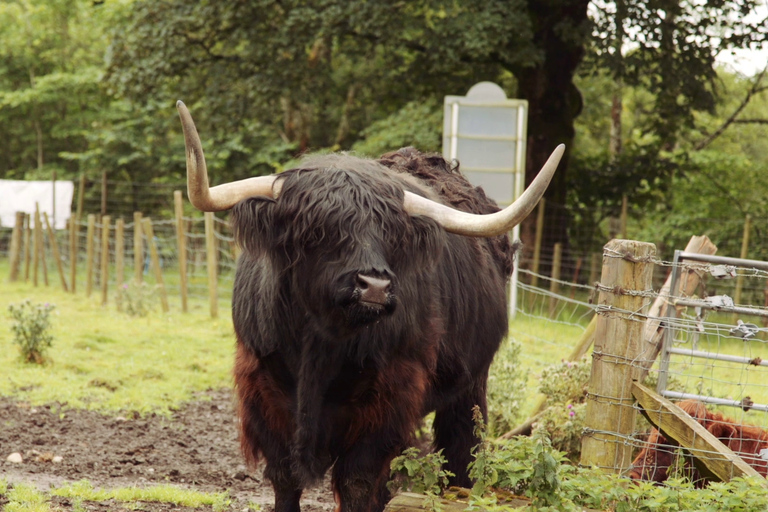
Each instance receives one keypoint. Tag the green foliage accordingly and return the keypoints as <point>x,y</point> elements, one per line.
<point>565,386</point>
<point>30,327</point>
<point>84,490</point>
<point>136,297</point>
<point>419,474</point>
<point>26,498</point>
<point>417,124</point>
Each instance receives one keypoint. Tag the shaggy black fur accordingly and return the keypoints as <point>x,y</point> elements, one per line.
<point>325,380</point>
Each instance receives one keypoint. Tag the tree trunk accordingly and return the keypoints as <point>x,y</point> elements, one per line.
<point>554,103</point>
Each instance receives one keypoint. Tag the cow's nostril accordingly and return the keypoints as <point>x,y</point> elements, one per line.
<point>374,290</point>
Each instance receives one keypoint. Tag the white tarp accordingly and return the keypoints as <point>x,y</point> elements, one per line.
<point>21,196</point>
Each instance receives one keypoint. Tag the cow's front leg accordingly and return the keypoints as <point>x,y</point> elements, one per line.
<point>360,475</point>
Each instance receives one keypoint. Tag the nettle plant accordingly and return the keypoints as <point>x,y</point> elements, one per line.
<point>31,329</point>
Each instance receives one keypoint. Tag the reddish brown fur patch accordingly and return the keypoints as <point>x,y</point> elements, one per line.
<point>256,390</point>
<point>747,441</point>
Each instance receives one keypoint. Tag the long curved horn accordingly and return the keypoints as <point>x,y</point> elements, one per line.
<point>470,224</point>
<point>221,197</point>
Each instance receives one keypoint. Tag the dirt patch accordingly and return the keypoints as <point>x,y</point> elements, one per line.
<point>196,448</point>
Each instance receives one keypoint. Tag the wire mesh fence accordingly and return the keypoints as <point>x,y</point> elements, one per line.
<point>555,320</point>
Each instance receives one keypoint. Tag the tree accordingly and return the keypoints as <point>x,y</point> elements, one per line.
<point>50,52</point>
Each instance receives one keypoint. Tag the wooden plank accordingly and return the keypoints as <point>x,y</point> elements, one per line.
<point>56,254</point>
<point>653,332</point>
<point>554,284</point>
<point>627,269</point>
<point>720,462</point>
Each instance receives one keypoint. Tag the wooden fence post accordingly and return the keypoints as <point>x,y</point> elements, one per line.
<point>105,227</point>
<point>39,247</point>
<point>537,243</point>
<point>72,223</point>
<point>16,247</point>
<point>119,260</point>
<point>554,284</point>
<point>211,260</point>
<point>89,254</point>
<point>56,254</point>
<point>181,243</point>
<point>138,249</point>
<point>627,273</point>
<point>155,259</point>
<point>27,244</point>
<point>74,233</point>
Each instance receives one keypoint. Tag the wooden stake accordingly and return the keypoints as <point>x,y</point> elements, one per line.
<point>576,277</point>
<point>119,260</point>
<point>138,249</point>
<point>537,243</point>
<point>89,254</point>
<point>211,260</point>
<point>27,244</point>
<point>154,258</point>
<point>103,193</point>
<point>627,268</point>
<point>181,242</point>
<point>16,247</point>
<point>105,227</point>
<point>554,284</point>
<point>56,254</point>
<point>623,218</point>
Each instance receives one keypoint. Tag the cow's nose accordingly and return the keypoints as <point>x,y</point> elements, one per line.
<point>373,290</point>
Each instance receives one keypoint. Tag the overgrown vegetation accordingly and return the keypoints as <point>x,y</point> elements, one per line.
<point>531,467</point>
<point>31,329</point>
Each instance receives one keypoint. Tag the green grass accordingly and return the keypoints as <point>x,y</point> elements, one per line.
<point>111,362</point>
<point>160,493</point>
<point>27,498</point>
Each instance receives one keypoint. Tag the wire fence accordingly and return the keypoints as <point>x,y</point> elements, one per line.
<point>715,328</point>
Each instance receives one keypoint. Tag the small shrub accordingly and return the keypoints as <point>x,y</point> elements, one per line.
<point>31,325</point>
<point>419,474</point>
<point>136,297</point>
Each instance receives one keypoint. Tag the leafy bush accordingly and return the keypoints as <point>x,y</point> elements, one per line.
<point>420,474</point>
<point>135,297</point>
<point>31,325</point>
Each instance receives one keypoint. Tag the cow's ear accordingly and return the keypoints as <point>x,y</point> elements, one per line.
<point>254,224</point>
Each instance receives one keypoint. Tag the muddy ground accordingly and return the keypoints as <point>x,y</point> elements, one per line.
<point>196,448</point>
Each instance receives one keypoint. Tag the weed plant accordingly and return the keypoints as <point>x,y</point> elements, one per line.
<point>31,329</point>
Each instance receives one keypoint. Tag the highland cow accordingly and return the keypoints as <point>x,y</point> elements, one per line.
<point>655,459</point>
<point>368,294</point>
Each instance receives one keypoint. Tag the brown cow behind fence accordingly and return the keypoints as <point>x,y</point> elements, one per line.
<point>659,454</point>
